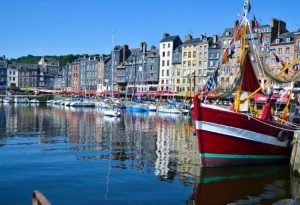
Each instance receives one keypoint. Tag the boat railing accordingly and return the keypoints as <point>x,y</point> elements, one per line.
<point>39,199</point>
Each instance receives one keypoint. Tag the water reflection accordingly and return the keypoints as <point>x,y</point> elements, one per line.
<point>242,185</point>
<point>160,145</point>
<point>164,141</point>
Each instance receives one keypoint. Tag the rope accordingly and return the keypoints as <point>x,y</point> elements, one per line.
<point>254,47</point>
<point>268,124</point>
<point>297,126</point>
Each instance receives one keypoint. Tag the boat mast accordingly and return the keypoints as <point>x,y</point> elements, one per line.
<point>244,46</point>
<point>112,68</point>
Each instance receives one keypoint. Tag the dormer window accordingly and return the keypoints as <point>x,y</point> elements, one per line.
<point>277,41</point>
<point>227,33</point>
<point>288,40</point>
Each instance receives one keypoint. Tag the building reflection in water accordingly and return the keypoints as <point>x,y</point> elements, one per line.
<point>144,141</point>
<point>162,144</point>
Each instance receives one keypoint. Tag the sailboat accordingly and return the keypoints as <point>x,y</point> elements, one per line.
<point>236,137</point>
<point>112,111</point>
<point>137,106</point>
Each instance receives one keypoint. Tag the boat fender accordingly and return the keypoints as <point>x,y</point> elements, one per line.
<point>282,135</point>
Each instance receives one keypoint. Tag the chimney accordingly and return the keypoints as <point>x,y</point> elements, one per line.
<point>143,47</point>
<point>166,35</point>
<point>125,49</point>
<point>188,37</point>
<point>278,27</point>
<point>215,38</point>
<point>203,37</point>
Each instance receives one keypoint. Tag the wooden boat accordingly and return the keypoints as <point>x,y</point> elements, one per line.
<point>235,137</point>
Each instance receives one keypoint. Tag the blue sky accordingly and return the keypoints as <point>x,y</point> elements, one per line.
<point>58,27</point>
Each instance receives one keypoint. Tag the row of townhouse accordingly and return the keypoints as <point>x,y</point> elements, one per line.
<point>176,66</point>
<point>23,75</point>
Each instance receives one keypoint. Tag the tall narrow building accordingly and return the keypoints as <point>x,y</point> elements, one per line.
<point>166,47</point>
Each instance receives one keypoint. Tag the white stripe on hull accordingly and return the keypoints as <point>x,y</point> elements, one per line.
<point>240,133</point>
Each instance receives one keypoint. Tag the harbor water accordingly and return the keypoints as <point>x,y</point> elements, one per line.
<point>78,156</point>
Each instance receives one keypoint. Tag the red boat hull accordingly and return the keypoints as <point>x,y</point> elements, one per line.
<point>227,138</point>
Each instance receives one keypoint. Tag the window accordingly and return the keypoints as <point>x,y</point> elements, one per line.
<point>162,73</point>
<point>178,81</point>
<point>168,73</point>
<point>277,41</point>
<point>200,63</point>
<point>164,45</point>
<point>184,63</point>
<point>169,45</point>
<point>225,42</point>
<point>288,40</point>
<point>178,72</point>
<point>205,55</point>
<point>184,54</point>
<point>194,54</point>
<point>168,62</point>
<point>279,50</point>
<point>163,63</point>
<point>168,53</point>
<point>163,54</point>
<point>211,63</point>
<point>287,50</point>
<point>194,63</point>
<point>162,82</point>
<point>189,54</point>
<point>189,63</point>
<point>287,60</point>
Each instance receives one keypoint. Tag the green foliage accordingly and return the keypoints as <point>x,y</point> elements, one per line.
<point>63,59</point>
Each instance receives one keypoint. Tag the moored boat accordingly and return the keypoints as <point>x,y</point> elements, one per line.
<point>112,112</point>
<point>239,136</point>
<point>82,103</point>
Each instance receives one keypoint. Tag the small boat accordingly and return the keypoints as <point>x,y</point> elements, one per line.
<point>152,108</point>
<point>139,108</point>
<point>7,99</point>
<point>21,100</point>
<point>112,112</point>
<point>102,104</point>
<point>34,101</point>
<point>168,109</point>
<point>82,103</point>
